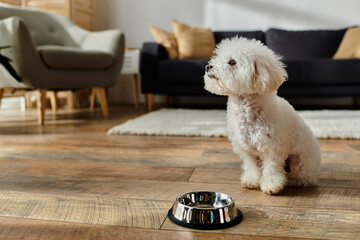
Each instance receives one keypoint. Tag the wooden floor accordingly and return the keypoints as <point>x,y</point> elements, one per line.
<point>69,180</point>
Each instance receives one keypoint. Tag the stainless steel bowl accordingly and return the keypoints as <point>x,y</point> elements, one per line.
<point>205,210</point>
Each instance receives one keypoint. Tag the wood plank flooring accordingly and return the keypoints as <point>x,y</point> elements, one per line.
<point>69,180</point>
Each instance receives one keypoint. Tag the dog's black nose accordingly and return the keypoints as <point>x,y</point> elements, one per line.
<point>208,67</point>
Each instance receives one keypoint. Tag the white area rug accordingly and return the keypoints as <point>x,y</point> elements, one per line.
<point>185,122</point>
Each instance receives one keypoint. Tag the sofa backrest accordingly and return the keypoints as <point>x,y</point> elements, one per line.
<point>45,28</point>
<point>220,35</point>
<point>304,44</point>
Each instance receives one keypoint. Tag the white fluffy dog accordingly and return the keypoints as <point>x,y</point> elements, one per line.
<point>276,146</point>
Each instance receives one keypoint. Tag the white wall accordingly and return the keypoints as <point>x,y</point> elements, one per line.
<point>134,17</point>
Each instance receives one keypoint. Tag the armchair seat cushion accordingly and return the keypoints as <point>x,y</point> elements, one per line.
<point>65,57</point>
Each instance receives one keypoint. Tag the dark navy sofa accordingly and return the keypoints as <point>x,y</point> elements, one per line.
<point>306,54</point>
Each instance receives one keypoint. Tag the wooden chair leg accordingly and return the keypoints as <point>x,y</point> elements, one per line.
<point>135,89</point>
<point>71,99</point>
<point>53,100</point>
<point>92,98</point>
<point>41,105</point>
<point>1,95</point>
<point>101,94</point>
<point>150,101</point>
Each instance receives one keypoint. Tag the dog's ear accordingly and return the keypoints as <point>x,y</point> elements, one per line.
<point>269,73</point>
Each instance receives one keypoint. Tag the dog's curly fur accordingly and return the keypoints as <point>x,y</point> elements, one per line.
<point>276,146</point>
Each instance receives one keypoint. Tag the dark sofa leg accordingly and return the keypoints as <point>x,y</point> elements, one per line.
<point>167,100</point>
<point>356,102</point>
<point>150,101</point>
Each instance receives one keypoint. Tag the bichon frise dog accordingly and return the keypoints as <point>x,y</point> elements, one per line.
<point>276,146</point>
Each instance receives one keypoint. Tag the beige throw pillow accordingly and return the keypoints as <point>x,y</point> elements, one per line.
<point>167,39</point>
<point>193,42</point>
<point>350,45</point>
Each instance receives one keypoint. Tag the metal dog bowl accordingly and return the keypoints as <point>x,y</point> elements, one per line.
<point>205,210</point>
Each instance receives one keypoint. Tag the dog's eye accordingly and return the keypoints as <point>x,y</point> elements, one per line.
<point>232,62</point>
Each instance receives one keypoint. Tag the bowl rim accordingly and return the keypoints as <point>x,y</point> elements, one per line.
<point>200,226</point>
<point>202,208</point>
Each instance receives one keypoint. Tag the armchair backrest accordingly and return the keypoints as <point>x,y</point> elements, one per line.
<point>45,28</point>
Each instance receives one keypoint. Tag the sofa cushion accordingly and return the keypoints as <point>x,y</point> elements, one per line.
<point>166,39</point>
<point>189,71</point>
<point>350,45</point>
<point>193,42</point>
<point>258,35</point>
<point>64,57</point>
<point>322,72</point>
<point>304,44</point>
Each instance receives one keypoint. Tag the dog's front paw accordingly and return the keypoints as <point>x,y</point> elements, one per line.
<point>250,185</point>
<point>272,185</point>
<point>271,190</point>
<point>250,181</point>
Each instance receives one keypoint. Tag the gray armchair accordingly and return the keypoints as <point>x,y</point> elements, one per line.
<point>47,51</point>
